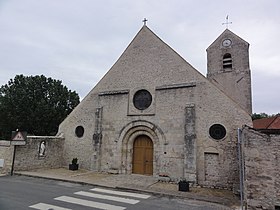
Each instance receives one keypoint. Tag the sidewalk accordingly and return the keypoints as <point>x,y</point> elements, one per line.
<point>136,182</point>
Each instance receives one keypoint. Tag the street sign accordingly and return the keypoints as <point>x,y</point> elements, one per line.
<point>18,138</point>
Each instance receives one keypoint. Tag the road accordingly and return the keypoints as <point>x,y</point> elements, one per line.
<point>22,193</point>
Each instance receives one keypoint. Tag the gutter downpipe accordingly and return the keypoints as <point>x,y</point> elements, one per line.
<point>241,166</point>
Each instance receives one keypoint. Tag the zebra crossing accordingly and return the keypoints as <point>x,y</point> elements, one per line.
<point>96,198</point>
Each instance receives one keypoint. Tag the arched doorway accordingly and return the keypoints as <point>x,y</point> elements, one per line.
<point>142,155</point>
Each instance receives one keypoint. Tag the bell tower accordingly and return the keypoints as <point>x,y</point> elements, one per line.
<point>228,68</point>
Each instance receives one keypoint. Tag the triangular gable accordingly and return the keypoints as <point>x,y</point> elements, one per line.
<point>148,54</point>
<point>227,33</point>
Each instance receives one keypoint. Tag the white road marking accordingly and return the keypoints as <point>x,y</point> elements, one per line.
<point>107,197</point>
<point>114,192</point>
<point>89,203</point>
<point>44,206</point>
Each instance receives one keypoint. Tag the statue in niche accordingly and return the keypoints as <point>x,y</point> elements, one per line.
<point>42,148</point>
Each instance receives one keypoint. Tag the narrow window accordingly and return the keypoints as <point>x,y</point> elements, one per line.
<point>227,61</point>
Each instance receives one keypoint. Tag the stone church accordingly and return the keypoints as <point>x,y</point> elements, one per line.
<point>155,114</point>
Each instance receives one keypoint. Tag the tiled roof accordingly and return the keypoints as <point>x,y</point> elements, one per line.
<point>267,123</point>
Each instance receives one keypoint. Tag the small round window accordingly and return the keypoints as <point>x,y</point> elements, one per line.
<point>217,131</point>
<point>79,131</point>
<point>142,99</point>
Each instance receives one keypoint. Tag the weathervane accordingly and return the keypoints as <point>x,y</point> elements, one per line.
<point>144,21</point>
<point>227,23</point>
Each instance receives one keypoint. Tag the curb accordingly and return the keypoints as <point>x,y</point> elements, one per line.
<point>154,193</point>
<point>170,195</point>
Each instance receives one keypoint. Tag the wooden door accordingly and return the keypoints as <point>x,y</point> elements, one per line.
<point>143,155</point>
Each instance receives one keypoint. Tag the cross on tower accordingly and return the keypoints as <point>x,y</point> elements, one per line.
<point>227,23</point>
<point>144,21</point>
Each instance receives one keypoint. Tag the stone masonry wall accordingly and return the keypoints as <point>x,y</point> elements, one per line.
<point>27,157</point>
<point>235,81</point>
<point>6,155</point>
<point>262,179</point>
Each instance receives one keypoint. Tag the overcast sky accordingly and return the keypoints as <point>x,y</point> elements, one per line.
<point>77,41</point>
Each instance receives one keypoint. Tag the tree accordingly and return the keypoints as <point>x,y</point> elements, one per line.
<point>256,116</point>
<point>35,104</point>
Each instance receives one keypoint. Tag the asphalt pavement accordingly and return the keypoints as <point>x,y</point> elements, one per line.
<point>137,183</point>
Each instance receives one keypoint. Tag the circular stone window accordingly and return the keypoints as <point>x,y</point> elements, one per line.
<point>79,131</point>
<point>217,131</point>
<point>142,99</point>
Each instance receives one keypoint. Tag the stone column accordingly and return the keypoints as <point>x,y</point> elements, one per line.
<point>190,144</point>
<point>97,139</point>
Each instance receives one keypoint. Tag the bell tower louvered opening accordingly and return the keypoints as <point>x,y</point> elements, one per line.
<point>227,62</point>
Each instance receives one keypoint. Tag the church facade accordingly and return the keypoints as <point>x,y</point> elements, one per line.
<point>154,114</point>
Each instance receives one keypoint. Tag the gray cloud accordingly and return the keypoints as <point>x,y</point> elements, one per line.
<point>77,42</point>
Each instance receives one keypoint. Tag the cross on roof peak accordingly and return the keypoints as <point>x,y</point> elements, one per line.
<point>144,21</point>
<point>227,22</point>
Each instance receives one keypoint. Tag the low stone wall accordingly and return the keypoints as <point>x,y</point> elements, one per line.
<point>28,157</point>
<point>6,156</point>
<point>262,169</point>
<point>32,155</point>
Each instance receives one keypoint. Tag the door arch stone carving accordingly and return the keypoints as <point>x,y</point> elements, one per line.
<point>127,136</point>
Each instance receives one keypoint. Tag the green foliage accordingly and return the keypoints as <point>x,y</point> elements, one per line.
<point>75,161</point>
<point>256,116</point>
<point>35,104</point>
